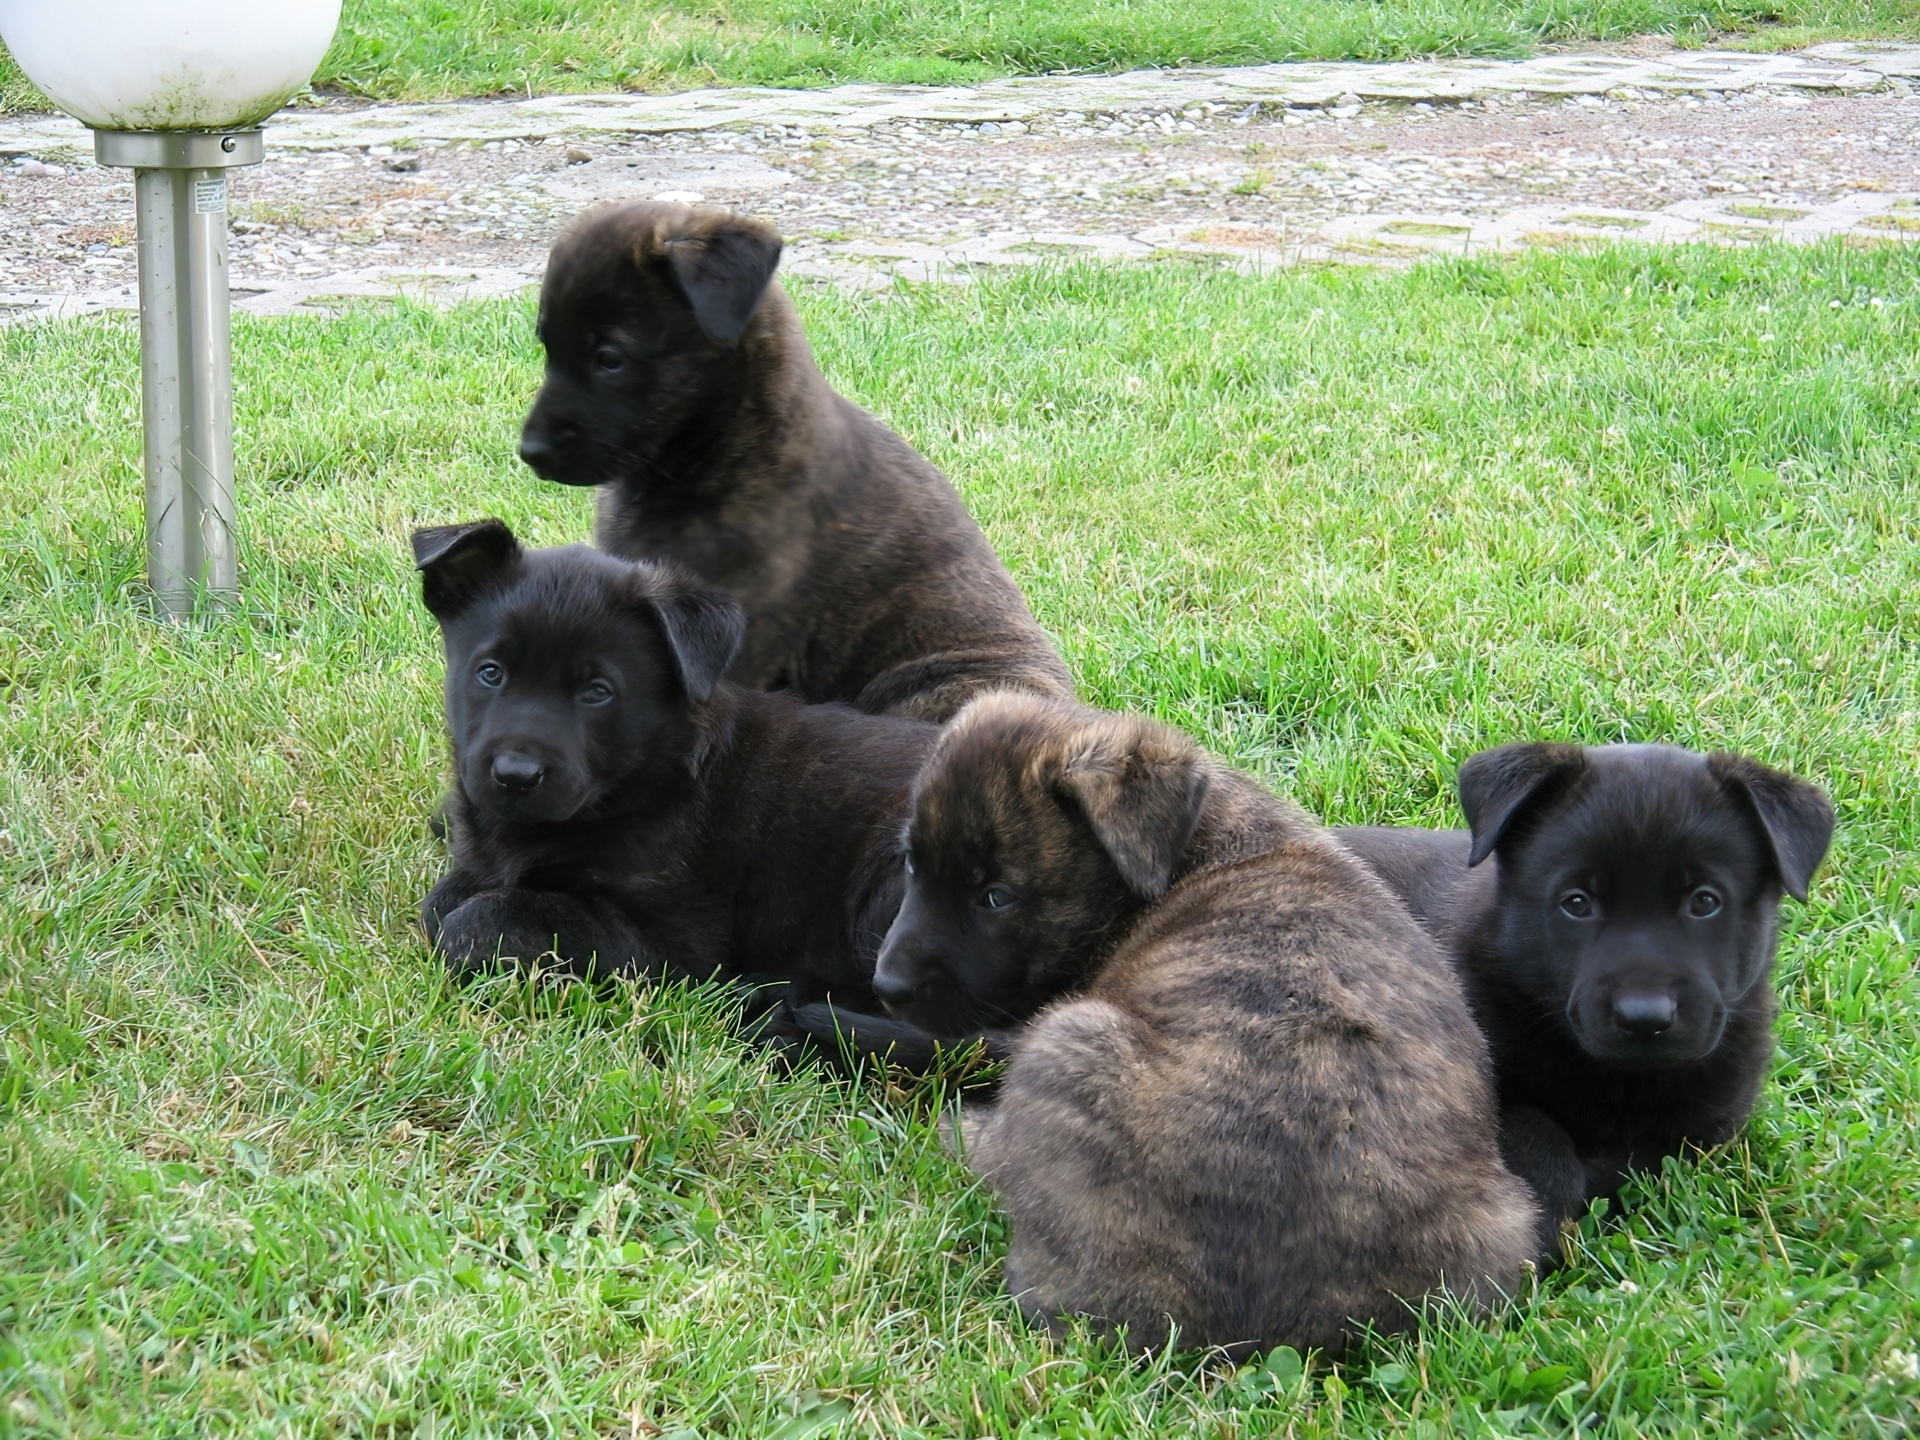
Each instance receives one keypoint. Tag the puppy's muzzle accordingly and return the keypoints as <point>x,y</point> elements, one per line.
<point>1647,1021</point>
<point>517,772</point>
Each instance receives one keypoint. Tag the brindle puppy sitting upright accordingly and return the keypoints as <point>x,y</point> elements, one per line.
<point>1616,950</point>
<point>1248,1100</point>
<point>680,382</point>
<point>624,810</point>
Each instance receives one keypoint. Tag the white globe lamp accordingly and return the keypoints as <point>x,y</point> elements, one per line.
<point>176,90</point>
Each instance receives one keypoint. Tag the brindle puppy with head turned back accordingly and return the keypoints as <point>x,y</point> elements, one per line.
<point>1247,1100</point>
<point>679,381</point>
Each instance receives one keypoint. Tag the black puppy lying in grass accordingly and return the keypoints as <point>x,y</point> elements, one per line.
<point>623,811</point>
<point>1617,952</point>
<point>1246,1097</point>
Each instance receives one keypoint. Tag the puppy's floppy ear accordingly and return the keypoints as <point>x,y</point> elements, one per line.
<point>1797,818</point>
<point>456,562</point>
<point>703,626</point>
<point>1498,786</point>
<point>1142,794</point>
<point>723,269</point>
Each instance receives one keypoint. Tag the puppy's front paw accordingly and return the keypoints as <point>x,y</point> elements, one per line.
<point>489,933</point>
<point>786,1042</point>
<point>806,1032</point>
<point>762,995</point>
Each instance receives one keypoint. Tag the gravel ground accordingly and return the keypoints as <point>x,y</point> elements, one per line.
<point>1378,181</point>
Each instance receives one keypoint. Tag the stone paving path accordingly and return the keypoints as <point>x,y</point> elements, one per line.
<point>1263,165</point>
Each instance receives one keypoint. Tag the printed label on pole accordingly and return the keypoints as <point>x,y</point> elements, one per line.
<point>210,196</point>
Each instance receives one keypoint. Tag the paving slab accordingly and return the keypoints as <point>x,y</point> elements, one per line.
<point>1253,166</point>
<point>1836,67</point>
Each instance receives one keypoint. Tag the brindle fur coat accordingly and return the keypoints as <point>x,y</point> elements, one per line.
<point>680,382</point>
<point>1248,1101</point>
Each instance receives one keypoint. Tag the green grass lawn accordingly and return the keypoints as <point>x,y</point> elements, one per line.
<point>424,49</point>
<point>262,1172</point>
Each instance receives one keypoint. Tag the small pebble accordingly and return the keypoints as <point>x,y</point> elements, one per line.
<point>577,156</point>
<point>404,164</point>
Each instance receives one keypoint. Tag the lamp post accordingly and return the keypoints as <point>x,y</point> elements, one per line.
<point>176,90</point>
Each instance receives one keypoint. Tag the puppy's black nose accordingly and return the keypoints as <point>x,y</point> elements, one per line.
<point>1645,1013</point>
<point>895,988</point>
<point>516,772</point>
<point>536,448</point>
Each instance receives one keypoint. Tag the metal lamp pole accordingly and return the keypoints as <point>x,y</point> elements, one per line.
<point>186,356</point>
<point>176,91</point>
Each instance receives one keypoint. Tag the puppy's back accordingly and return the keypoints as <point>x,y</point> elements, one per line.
<point>1268,1118</point>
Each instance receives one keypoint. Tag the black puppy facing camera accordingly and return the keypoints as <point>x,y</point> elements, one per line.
<point>602,675</point>
<point>622,811</point>
<point>1613,914</point>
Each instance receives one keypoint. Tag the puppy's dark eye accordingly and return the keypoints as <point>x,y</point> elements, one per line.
<point>1704,902</point>
<point>596,692</point>
<point>490,673</point>
<point>607,360</point>
<point>1577,904</point>
<point>998,897</point>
